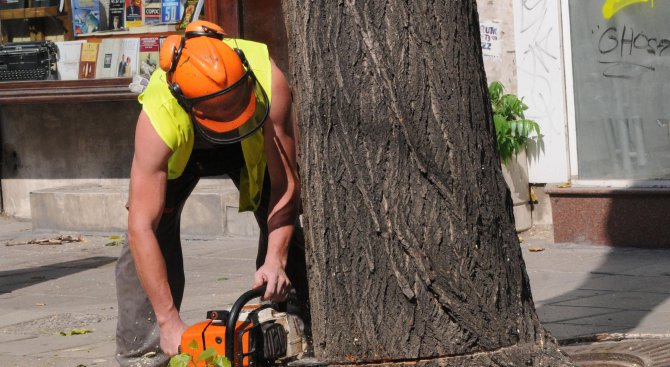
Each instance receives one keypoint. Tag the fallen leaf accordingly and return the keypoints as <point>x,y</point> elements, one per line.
<point>49,241</point>
<point>75,332</point>
<point>535,249</point>
<point>113,243</point>
<point>114,237</point>
<point>222,279</point>
<point>565,185</point>
<point>72,238</point>
<point>40,304</point>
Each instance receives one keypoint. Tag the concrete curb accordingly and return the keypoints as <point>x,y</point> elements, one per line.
<point>211,210</point>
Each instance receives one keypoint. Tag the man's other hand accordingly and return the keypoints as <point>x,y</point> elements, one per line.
<point>274,276</point>
<point>171,332</point>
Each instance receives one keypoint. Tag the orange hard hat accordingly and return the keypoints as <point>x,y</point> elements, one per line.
<point>214,83</point>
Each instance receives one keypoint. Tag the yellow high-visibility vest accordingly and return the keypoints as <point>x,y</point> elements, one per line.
<point>175,128</point>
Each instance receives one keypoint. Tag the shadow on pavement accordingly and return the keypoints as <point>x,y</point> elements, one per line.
<point>12,280</point>
<point>615,298</point>
<point>625,292</point>
<point>621,293</point>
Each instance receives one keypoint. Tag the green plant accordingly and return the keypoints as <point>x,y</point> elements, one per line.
<point>513,130</point>
<point>209,355</point>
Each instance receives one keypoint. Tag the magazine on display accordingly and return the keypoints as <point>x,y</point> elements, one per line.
<point>108,58</point>
<point>68,59</point>
<point>88,59</point>
<point>152,12</point>
<point>149,52</point>
<point>85,16</point>
<point>116,19</point>
<point>171,11</point>
<point>192,10</point>
<point>129,52</point>
<point>133,13</point>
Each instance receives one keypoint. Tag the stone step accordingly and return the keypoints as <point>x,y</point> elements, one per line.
<point>211,210</point>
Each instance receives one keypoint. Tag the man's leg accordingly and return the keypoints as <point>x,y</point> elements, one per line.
<point>137,334</point>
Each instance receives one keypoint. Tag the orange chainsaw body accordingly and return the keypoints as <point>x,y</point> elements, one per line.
<point>261,335</point>
<point>211,334</point>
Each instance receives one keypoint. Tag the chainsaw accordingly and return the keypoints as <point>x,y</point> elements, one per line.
<point>248,335</point>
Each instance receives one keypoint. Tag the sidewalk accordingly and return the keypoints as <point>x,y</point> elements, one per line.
<point>579,290</point>
<point>49,289</point>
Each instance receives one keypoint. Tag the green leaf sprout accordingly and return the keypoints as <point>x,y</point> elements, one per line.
<point>513,131</point>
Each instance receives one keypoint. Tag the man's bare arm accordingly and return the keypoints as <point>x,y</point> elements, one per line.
<point>280,149</point>
<point>148,182</point>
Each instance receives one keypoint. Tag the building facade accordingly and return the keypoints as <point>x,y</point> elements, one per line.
<point>593,73</point>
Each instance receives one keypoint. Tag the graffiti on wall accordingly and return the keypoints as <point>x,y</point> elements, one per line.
<point>627,52</point>
<point>539,54</point>
<point>612,7</point>
<point>629,45</point>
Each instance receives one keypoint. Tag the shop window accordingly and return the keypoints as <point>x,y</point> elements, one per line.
<point>621,69</point>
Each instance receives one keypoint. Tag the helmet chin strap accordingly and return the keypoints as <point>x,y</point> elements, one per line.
<point>214,140</point>
<point>191,101</point>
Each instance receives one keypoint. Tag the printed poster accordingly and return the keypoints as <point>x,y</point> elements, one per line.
<point>490,34</point>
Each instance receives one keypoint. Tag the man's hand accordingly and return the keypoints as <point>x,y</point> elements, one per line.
<point>278,285</point>
<point>171,332</point>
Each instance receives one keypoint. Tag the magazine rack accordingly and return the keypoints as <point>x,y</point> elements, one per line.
<point>94,90</point>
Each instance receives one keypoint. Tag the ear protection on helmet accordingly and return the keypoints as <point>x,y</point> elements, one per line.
<point>173,45</point>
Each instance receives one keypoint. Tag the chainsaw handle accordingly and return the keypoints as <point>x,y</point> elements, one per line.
<point>234,315</point>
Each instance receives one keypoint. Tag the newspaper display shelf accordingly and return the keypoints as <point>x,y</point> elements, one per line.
<point>94,90</point>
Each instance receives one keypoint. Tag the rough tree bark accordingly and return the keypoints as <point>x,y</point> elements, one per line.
<point>413,254</point>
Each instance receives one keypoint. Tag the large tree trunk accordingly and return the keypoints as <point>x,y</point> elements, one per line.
<point>413,254</point>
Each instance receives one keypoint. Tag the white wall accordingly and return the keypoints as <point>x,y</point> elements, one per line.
<point>540,73</point>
